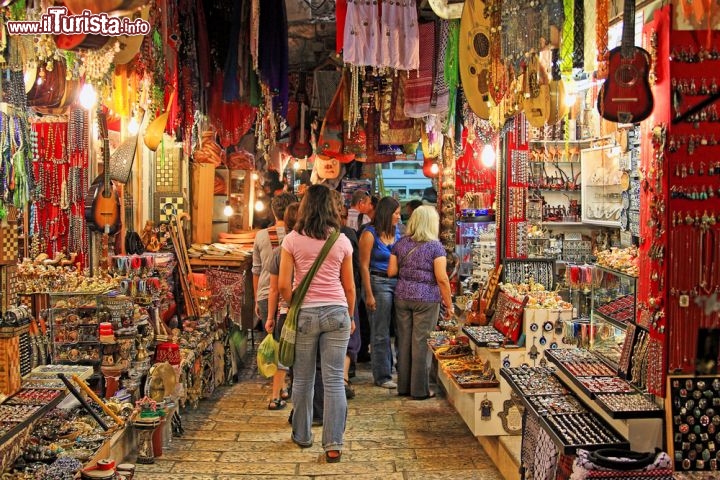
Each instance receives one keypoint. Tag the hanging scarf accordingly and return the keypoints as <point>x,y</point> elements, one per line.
<point>452,73</point>
<point>273,52</point>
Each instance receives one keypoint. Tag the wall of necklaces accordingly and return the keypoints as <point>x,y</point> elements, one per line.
<point>680,187</point>
<point>516,140</point>
<point>60,161</point>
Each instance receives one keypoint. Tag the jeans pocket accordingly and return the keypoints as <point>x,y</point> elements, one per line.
<point>306,319</point>
<point>335,318</point>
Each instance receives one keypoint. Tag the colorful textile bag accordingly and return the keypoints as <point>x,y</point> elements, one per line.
<point>289,330</point>
<point>613,464</point>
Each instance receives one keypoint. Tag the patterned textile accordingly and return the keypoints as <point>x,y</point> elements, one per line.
<point>546,457</point>
<point>362,30</point>
<point>399,36</point>
<point>531,429</point>
<point>416,278</point>
<point>227,288</point>
<point>441,93</point>
<point>419,87</point>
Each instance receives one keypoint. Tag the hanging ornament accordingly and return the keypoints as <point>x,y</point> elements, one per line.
<point>486,407</point>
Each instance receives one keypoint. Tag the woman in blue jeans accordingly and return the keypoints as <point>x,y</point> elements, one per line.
<point>325,319</point>
<point>376,242</point>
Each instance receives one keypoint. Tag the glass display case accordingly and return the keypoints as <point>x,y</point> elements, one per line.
<point>469,231</point>
<point>613,310</point>
<point>74,324</point>
<point>603,182</point>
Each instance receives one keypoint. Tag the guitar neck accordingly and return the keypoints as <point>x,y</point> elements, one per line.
<point>628,33</point>
<point>106,167</point>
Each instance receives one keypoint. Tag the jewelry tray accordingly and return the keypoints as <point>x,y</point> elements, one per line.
<point>25,422</point>
<point>548,418</point>
<point>597,395</point>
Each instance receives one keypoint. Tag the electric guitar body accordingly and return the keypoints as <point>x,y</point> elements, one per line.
<point>474,57</point>
<point>625,97</point>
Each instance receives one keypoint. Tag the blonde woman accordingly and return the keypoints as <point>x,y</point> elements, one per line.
<point>418,259</point>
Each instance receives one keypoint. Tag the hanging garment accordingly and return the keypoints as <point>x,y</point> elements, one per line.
<point>399,36</point>
<point>341,7</point>
<point>419,87</point>
<point>273,52</point>
<point>441,94</point>
<point>361,34</point>
<point>325,84</point>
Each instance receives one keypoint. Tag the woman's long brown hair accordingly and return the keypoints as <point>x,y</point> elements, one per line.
<point>383,222</point>
<point>318,215</point>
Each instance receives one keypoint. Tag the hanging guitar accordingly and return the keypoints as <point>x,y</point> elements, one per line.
<point>102,203</point>
<point>474,57</point>
<point>625,97</point>
<point>301,134</point>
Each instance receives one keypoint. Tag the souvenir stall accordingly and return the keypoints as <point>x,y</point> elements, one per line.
<point>572,170</point>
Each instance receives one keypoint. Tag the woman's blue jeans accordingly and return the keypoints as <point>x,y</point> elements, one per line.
<point>325,330</point>
<point>383,289</point>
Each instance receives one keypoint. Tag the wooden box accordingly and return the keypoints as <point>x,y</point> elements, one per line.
<point>201,205</point>
<point>8,287</point>
<point>9,364</point>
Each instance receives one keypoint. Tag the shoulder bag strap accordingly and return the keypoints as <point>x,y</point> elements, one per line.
<point>402,260</point>
<point>301,290</point>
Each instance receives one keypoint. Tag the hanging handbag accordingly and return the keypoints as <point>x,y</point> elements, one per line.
<point>289,331</point>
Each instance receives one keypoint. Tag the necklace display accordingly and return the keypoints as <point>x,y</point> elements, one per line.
<point>60,158</point>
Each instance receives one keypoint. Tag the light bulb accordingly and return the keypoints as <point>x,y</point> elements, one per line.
<point>259,206</point>
<point>133,126</point>
<point>39,80</point>
<point>254,176</point>
<point>487,157</point>
<point>88,96</point>
<point>228,210</point>
<point>434,169</point>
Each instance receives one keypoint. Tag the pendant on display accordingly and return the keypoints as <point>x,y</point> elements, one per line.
<point>534,353</point>
<point>486,407</point>
<point>506,361</point>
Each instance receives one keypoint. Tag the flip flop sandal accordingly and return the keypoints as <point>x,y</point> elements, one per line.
<point>277,404</point>
<point>284,394</point>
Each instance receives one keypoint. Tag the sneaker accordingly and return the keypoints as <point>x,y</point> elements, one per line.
<point>388,384</point>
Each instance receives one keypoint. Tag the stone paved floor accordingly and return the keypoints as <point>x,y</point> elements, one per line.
<point>233,436</point>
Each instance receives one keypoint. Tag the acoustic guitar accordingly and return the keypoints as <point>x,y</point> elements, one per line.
<point>536,103</point>
<point>102,203</point>
<point>625,97</point>
<point>474,57</point>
